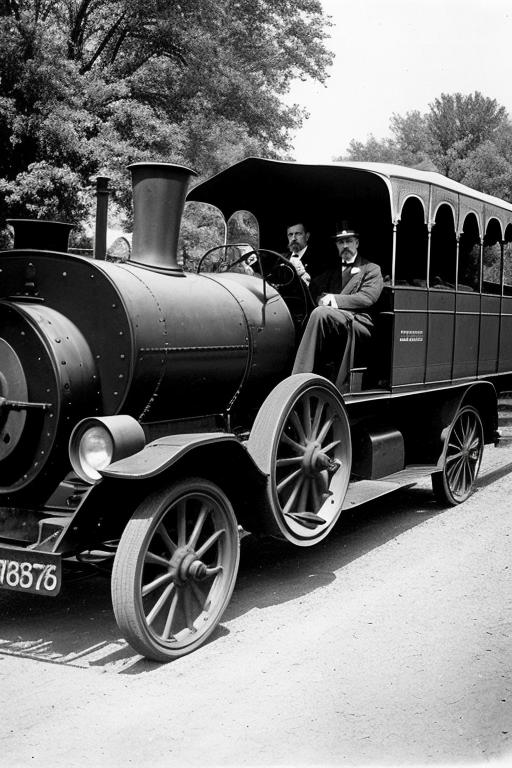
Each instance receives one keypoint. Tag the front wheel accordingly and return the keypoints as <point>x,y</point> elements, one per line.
<point>175,569</point>
<point>463,454</point>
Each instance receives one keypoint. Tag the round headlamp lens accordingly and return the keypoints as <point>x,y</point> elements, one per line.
<point>95,451</point>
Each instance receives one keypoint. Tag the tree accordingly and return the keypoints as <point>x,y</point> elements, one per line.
<point>412,138</point>
<point>89,86</point>
<point>465,137</point>
<point>458,124</point>
<point>409,145</point>
<point>487,169</point>
<point>372,150</point>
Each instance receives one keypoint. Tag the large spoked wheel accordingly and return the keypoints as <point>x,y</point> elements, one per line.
<point>301,439</point>
<point>175,569</point>
<point>463,455</point>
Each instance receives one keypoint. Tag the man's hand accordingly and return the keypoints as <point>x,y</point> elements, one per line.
<point>300,270</point>
<point>327,300</point>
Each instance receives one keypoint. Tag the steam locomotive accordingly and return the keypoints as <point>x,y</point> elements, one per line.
<point>128,392</point>
<point>147,414</point>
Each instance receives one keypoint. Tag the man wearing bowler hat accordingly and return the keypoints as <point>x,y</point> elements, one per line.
<point>344,295</point>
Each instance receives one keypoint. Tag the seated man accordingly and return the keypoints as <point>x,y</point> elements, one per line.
<point>308,262</point>
<point>344,295</point>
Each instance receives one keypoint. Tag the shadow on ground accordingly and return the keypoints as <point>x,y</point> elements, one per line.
<point>77,628</point>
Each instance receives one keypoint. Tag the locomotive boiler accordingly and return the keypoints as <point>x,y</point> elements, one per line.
<point>127,396</point>
<point>82,337</point>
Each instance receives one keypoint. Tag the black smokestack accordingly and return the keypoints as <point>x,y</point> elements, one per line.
<point>159,191</point>
<point>41,235</point>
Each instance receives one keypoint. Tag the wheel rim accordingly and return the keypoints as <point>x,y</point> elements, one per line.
<point>464,454</point>
<point>311,463</point>
<point>187,569</point>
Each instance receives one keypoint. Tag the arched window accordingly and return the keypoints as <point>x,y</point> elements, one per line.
<point>443,250</point>
<point>202,227</point>
<point>411,245</point>
<point>491,262</point>
<point>507,262</point>
<point>243,228</point>
<point>469,256</point>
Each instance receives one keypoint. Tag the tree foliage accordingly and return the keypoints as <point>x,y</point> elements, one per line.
<point>465,137</point>
<point>88,86</point>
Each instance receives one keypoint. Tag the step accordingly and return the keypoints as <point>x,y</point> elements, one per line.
<point>362,491</point>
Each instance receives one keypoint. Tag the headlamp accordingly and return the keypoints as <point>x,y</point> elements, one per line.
<point>95,450</point>
<point>97,442</point>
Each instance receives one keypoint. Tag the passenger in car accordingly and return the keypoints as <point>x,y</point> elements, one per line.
<point>344,296</point>
<point>307,261</point>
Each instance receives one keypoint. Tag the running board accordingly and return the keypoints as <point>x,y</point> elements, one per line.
<point>361,491</point>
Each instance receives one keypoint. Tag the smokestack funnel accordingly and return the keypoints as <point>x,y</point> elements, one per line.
<point>159,191</point>
<point>41,235</point>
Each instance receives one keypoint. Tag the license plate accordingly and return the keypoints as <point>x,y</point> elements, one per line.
<point>27,570</point>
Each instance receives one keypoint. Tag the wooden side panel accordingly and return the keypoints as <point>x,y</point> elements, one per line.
<point>441,328</point>
<point>410,337</point>
<point>467,332</point>
<point>505,343</point>
<point>489,335</point>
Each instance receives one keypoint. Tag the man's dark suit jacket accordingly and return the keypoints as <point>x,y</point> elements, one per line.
<point>317,261</point>
<point>356,288</point>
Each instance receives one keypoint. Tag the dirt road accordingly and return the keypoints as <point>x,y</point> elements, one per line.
<point>390,643</point>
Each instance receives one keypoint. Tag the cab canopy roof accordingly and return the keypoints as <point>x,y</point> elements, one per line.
<point>348,190</point>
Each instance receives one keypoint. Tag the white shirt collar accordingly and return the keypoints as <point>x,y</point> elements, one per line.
<point>301,253</point>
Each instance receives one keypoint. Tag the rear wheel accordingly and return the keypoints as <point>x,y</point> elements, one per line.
<point>463,455</point>
<point>301,440</point>
<point>175,569</point>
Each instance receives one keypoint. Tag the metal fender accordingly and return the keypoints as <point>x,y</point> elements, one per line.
<point>217,456</point>
<point>482,396</point>
<point>159,455</point>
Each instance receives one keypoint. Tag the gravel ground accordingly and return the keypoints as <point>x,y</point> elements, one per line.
<point>388,644</point>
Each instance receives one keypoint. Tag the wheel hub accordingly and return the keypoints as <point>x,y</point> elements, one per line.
<point>185,565</point>
<point>315,460</point>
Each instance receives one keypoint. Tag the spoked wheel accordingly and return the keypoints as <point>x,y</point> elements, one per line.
<point>464,449</point>
<point>301,439</point>
<point>175,569</point>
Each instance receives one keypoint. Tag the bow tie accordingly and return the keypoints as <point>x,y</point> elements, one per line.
<point>347,263</point>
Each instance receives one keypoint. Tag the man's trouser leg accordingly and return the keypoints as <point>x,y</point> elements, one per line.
<point>324,340</point>
<point>357,332</point>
